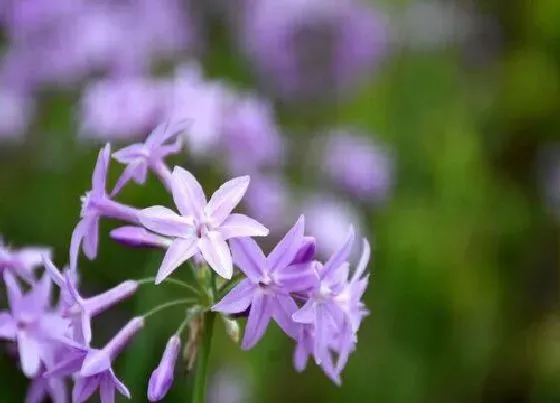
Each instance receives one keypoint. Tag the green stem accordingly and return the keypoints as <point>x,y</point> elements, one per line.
<point>199,391</point>
<point>170,304</point>
<point>170,280</point>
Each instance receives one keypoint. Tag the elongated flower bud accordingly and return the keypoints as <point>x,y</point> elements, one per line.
<point>139,237</point>
<point>232,328</point>
<point>162,377</point>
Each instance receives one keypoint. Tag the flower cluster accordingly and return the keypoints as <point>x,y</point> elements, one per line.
<point>316,304</point>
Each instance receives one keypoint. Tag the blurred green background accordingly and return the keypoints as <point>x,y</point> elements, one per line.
<point>465,285</point>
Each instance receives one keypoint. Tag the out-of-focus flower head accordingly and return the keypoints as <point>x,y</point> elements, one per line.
<point>202,102</point>
<point>16,112</point>
<point>252,139</point>
<point>358,164</point>
<point>305,49</point>
<point>327,219</point>
<point>121,108</point>
<point>270,201</point>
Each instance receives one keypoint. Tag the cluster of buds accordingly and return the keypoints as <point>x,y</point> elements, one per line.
<point>316,304</point>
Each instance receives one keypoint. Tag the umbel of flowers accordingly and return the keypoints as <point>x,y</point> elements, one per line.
<point>317,304</point>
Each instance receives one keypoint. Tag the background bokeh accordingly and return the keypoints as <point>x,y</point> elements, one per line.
<point>431,125</point>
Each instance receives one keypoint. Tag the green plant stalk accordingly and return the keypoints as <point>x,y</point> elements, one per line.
<point>201,372</point>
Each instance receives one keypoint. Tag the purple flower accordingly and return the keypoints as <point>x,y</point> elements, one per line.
<point>305,49</point>
<point>162,377</point>
<point>32,324</point>
<point>80,310</point>
<point>251,137</point>
<point>150,154</point>
<point>139,237</point>
<point>121,109</point>
<point>204,103</point>
<point>357,164</point>
<point>21,262</point>
<point>16,111</point>
<point>92,368</point>
<point>95,204</point>
<point>269,200</point>
<point>327,220</point>
<point>334,308</point>
<point>202,226</point>
<point>269,282</point>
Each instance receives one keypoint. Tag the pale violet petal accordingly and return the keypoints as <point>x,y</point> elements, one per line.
<point>285,251</point>
<point>248,257</point>
<point>180,251</point>
<point>259,316</point>
<point>216,253</point>
<point>227,197</point>
<point>187,192</point>
<point>166,222</point>
<point>241,226</point>
<point>238,299</point>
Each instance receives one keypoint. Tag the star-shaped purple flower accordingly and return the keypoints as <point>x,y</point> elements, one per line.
<point>80,310</point>
<point>334,308</point>
<point>32,324</point>
<point>202,226</point>
<point>269,283</point>
<point>91,367</point>
<point>96,204</point>
<point>150,154</point>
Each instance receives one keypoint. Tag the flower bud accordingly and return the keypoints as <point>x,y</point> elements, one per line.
<point>162,377</point>
<point>232,328</point>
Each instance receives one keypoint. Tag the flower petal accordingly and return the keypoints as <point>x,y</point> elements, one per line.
<point>283,307</point>
<point>99,176</point>
<point>241,226</point>
<point>128,154</point>
<point>338,258</point>
<point>187,192</point>
<point>306,314</point>
<point>137,170</point>
<point>248,257</point>
<point>238,299</point>
<point>123,390</point>
<point>107,390</point>
<point>91,237</point>
<point>224,200</point>
<point>13,291</point>
<point>29,354</point>
<point>84,388</point>
<point>179,251</point>
<point>259,316</point>
<point>75,242</point>
<point>364,260</point>
<point>285,251</point>
<point>297,277</point>
<point>216,253</point>
<point>139,237</point>
<point>166,222</point>
<point>53,272</point>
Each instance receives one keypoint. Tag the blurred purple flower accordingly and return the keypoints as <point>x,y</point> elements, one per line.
<point>358,164</point>
<point>308,48</point>
<point>121,109</point>
<point>269,200</point>
<point>251,137</point>
<point>270,280</point>
<point>22,262</point>
<point>32,324</point>
<point>81,310</point>
<point>162,377</point>
<point>96,204</point>
<point>327,220</point>
<point>150,154</point>
<point>202,226</point>
<point>203,103</point>
<point>16,111</point>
